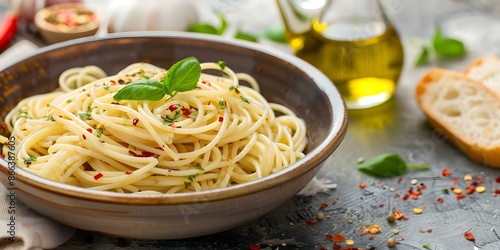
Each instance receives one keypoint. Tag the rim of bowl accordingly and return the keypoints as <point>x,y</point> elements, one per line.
<point>313,158</point>
<point>42,23</point>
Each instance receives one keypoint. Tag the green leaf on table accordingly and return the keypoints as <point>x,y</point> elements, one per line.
<point>210,29</point>
<point>449,47</point>
<point>445,46</point>
<point>204,28</point>
<point>387,165</point>
<point>276,34</point>
<point>422,58</point>
<point>245,36</point>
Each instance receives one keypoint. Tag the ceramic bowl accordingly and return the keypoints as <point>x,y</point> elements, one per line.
<point>66,21</point>
<point>284,79</point>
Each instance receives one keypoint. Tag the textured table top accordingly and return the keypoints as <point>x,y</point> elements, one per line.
<point>397,126</point>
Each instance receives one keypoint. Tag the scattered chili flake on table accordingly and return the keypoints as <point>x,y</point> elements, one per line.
<point>398,215</point>
<point>373,229</point>
<point>362,185</point>
<point>337,238</point>
<point>446,172</point>
<point>460,196</point>
<point>324,205</point>
<point>311,222</point>
<point>440,200</point>
<point>497,180</point>
<point>254,247</point>
<point>469,236</point>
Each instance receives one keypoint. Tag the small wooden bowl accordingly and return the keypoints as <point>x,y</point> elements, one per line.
<point>66,21</point>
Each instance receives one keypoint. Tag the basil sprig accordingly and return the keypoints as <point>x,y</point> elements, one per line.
<point>442,46</point>
<point>387,165</point>
<point>182,76</point>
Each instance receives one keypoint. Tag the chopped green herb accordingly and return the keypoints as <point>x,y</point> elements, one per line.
<point>170,120</point>
<point>221,64</point>
<point>85,116</point>
<point>387,165</point>
<point>106,87</point>
<point>29,160</point>
<point>244,99</point>
<point>69,101</point>
<point>187,184</point>
<point>99,132</point>
<point>199,167</point>
<point>245,36</point>
<point>446,191</point>
<point>426,245</point>
<point>232,87</point>
<point>192,177</point>
<point>222,104</point>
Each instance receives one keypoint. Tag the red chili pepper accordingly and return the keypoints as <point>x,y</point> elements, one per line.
<point>497,180</point>
<point>440,200</point>
<point>221,119</point>
<point>84,137</point>
<point>336,246</point>
<point>398,215</point>
<point>362,185</point>
<point>135,121</point>
<point>460,196</point>
<point>89,129</point>
<point>128,171</point>
<point>97,176</point>
<point>469,236</point>
<point>337,238</point>
<point>7,30</point>
<point>324,205</point>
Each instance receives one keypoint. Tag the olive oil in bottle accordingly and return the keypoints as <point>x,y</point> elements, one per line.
<point>364,70</point>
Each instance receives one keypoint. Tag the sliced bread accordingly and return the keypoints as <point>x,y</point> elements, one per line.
<point>466,111</point>
<point>486,70</point>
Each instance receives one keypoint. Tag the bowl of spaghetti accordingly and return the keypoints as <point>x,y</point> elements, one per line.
<point>183,134</point>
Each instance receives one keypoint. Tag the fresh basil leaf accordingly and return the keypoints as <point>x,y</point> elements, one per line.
<point>276,34</point>
<point>223,24</point>
<point>204,28</point>
<point>182,76</point>
<point>449,47</point>
<point>245,36</point>
<point>222,65</point>
<point>422,58</point>
<point>143,89</point>
<point>385,165</point>
<point>438,35</point>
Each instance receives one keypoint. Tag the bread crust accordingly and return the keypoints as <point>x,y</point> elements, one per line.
<point>487,156</point>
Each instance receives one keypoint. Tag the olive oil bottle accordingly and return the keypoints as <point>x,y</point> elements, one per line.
<point>362,55</point>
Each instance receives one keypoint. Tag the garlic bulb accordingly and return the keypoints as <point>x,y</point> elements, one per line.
<point>146,15</point>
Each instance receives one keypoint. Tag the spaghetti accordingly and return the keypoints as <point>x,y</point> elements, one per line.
<point>216,135</point>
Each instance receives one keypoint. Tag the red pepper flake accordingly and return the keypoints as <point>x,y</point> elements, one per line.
<point>311,222</point>
<point>497,191</point>
<point>324,205</point>
<point>112,82</point>
<point>470,190</point>
<point>421,231</point>
<point>381,205</point>
<point>398,215</point>
<point>142,154</point>
<point>406,196</point>
<point>460,196</point>
<point>115,103</point>
<point>371,237</point>
<point>322,248</point>
<point>337,238</point>
<point>185,111</point>
<point>455,180</point>
<point>84,137</point>
<point>90,130</point>
<point>440,200</point>
<point>399,180</point>
<point>4,125</point>
<point>172,107</point>
<point>221,119</point>
<point>135,121</point>
<point>497,180</point>
<point>446,172</point>
<point>254,247</point>
<point>2,155</point>
<point>97,176</point>
<point>336,246</point>
<point>207,83</point>
<point>429,230</point>
<point>128,171</point>
<point>469,236</point>
<point>335,200</point>
<point>362,185</point>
